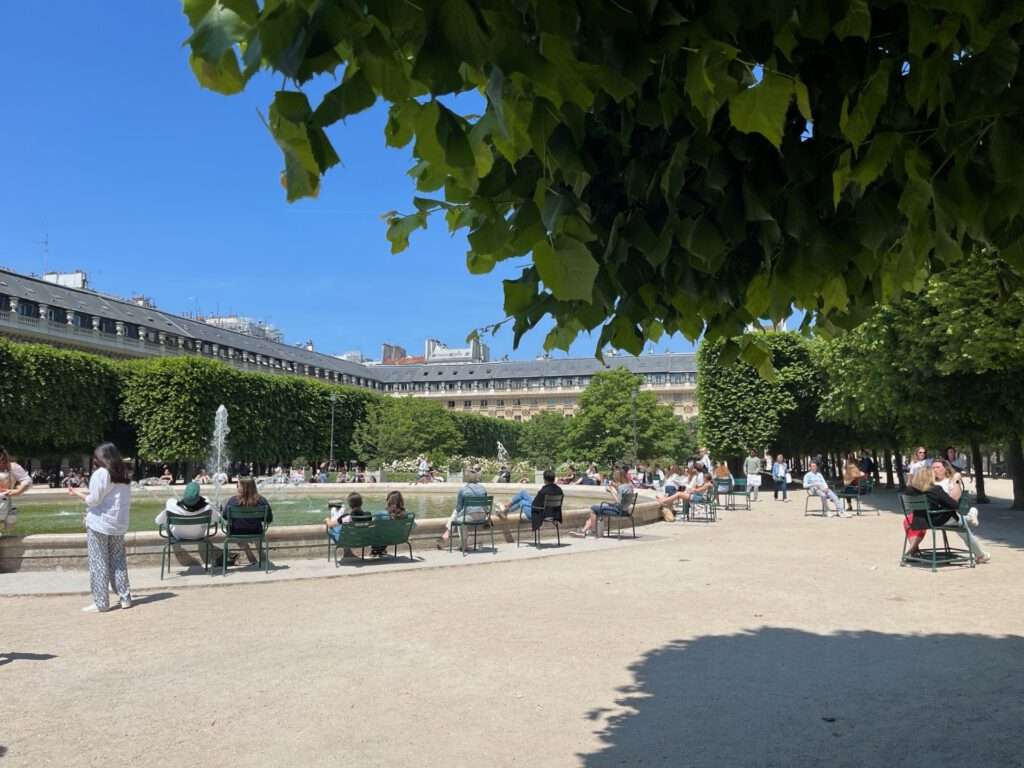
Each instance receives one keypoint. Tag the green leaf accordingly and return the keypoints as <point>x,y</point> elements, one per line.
<point>451,136</point>
<point>401,124</point>
<point>861,121</point>
<point>856,22</point>
<point>762,108</point>
<point>401,227</point>
<point>567,269</point>
<point>352,96</point>
<point>222,75</point>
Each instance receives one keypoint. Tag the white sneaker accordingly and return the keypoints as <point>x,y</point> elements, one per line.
<point>126,604</point>
<point>972,517</point>
<point>93,608</point>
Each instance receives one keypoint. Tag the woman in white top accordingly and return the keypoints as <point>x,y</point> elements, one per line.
<point>108,502</point>
<point>18,481</point>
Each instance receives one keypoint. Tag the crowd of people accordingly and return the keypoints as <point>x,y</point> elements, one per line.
<point>940,479</point>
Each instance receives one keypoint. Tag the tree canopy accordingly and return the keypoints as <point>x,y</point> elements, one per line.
<point>668,165</point>
<point>612,413</point>
<point>740,411</point>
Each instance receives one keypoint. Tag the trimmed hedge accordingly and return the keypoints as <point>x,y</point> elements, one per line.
<point>172,402</point>
<point>481,434</point>
<point>55,401</point>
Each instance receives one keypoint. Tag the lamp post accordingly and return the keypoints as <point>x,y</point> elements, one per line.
<point>334,402</point>
<point>633,395</point>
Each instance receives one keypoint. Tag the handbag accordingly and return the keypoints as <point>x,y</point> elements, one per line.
<point>789,478</point>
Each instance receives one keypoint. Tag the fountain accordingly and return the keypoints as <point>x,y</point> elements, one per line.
<point>219,453</point>
<point>503,454</point>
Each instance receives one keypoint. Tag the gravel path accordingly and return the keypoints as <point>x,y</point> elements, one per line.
<point>767,639</point>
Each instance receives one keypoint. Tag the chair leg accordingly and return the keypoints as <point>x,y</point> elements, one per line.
<point>519,527</point>
<point>163,553</point>
<point>224,560</point>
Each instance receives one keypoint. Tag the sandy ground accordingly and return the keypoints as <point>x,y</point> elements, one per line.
<point>767,639</point>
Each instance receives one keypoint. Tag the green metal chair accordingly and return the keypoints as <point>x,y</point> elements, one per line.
<point>357,534</point>
<point>262,514</point>
<point>170,540</point>
<point>475,514</point>
<point>552,512</point>
<point>739,492</point>
<point>626,510</point>
<point>808,495</point>
<point>393,533</point>
<point>706,509</point>
<point>936,556</point>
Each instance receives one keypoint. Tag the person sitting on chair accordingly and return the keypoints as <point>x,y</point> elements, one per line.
<point>248,495</point>
<point>697,487</point>
<point>472,488</point>
<point>526,504</point>
<point>622,490</point>
<point>815,485</point>
<point>926,481</point>
<point>192,502</point>
<point>722,477</point>
<point>852,475</point>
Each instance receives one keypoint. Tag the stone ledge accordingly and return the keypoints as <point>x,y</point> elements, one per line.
<point>68,550</point>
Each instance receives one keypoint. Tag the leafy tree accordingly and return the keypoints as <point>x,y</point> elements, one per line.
<point>406,426</point>
<point>938,367</point>
<point>544,438</point>
<point>669,165</point>
<point>603,427</point>
<point>742,411</point>
<point>56,401</point>
<point>481,434</point>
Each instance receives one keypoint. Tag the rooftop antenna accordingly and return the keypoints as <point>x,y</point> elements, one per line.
<point>45,242</point>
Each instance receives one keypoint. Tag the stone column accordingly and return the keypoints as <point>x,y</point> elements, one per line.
<point>13,303</point>
<point>43,312</point>
<point>119,328</point>
<point>95,324</point>
<point>70,314</point>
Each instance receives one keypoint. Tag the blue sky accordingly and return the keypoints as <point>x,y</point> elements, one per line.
<point>113,152</point>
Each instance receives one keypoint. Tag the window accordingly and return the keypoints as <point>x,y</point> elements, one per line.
<point>483,403</point>
<point>551,401</point>
<point>501,403</point>
<point>517,403</point>
<point>467,403</point>
<point>451,403</point>
<point>517,417</point>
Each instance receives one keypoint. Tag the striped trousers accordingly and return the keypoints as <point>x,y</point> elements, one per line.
<point>108,564</point>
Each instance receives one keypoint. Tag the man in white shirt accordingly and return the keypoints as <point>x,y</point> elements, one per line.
<point>815,485</point>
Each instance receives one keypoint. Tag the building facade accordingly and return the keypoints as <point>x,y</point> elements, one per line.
<point>37,311</point>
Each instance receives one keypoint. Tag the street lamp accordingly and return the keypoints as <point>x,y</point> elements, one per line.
<point>633,395</point>
<point>334,401</point>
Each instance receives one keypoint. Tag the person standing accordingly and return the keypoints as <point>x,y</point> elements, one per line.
<point>780,474</point>
<point>107,502</point>
<point>752,469</point>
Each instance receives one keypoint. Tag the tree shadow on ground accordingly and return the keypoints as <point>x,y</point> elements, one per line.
<point>999,524</point>
<point>784,697</point>
<point>11,656</point>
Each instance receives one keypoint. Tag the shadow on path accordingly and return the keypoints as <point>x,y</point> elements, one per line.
<point>783,697</point>
<point>7,658</point>
<point>156,597</point>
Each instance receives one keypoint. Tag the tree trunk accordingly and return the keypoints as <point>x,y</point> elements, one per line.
<point>889,482</point>
<point>1015,465</point>
<point>900,479</point>
<point>979,474</point>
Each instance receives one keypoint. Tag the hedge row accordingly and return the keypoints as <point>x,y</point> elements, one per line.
<point>54,401</point>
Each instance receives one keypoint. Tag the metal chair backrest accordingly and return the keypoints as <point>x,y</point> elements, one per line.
<point>552,509</point>
<point>476,507</point>
<point>234,514</point>
<point>911,503</point>
<point>174,518</point>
